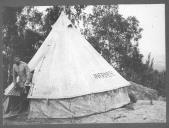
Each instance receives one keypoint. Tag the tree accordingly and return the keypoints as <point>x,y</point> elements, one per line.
<point>9,39</point>
<point>117,38</point>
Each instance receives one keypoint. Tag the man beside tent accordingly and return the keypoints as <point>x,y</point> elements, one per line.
<point>21,69</point>
<point>17,96</point>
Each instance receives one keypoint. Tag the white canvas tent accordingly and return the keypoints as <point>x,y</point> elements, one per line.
<point>70,78</point>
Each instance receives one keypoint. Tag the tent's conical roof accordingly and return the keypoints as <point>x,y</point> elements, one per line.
<point>66,66</point>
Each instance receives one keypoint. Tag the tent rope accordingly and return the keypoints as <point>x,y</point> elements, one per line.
<point>31,90</point>
<point>41,63</point>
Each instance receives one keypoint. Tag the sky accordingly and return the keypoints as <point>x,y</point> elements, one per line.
<point>152,20</point>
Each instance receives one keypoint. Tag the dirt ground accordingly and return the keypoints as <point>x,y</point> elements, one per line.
<point>143,112</point>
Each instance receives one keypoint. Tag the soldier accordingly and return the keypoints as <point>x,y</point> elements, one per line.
<point>21,70</point>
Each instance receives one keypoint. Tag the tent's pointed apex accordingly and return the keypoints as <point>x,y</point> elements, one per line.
<point>62,22</point>
<point>63,8</point>
<point>63,13</point>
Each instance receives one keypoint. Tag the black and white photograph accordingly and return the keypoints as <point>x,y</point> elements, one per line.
<point>83,64</point>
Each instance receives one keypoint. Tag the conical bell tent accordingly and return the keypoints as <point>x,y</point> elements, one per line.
<point>71,79</point>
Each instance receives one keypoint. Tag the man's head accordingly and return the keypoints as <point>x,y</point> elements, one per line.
<point>17,60</point>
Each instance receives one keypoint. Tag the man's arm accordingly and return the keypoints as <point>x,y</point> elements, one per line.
<point>27,73</point>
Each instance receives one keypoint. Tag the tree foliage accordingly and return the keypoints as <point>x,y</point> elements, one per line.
<point>115,37</point>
